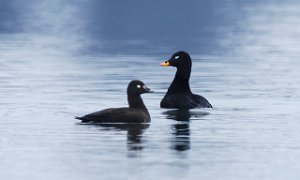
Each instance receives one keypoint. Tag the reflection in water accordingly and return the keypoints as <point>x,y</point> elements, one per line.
<point>10,23</point>
<point>134,133</point>
<point>151,27</point>
<point>182,137</point>
<point>121,27</point>
<point>182,129</point>
<point>184,115</point>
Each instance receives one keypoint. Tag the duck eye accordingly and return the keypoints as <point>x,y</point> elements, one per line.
<point>176,57</point>
<point>138,86</point>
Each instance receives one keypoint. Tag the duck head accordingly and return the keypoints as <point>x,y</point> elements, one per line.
<point>137,87</point>
<point>178,59</point>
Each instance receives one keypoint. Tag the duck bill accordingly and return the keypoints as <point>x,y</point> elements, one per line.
<point>165,63</point>
<point>147,90</point>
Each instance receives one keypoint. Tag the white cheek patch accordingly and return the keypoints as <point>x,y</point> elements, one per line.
<point>138,86</point>
<point>176,57</point>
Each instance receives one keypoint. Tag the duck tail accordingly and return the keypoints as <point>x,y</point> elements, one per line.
<point>83,120</point>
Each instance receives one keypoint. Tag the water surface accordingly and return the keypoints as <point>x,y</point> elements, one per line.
<point>62,59</point>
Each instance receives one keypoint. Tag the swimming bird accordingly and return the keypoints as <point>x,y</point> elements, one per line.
<point>135,113</point>
<point>179,95</point>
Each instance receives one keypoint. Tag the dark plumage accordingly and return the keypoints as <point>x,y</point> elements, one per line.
<point>179,94</point>
<point>135,113</point>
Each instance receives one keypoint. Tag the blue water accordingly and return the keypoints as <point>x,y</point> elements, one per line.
<point>66,58</point>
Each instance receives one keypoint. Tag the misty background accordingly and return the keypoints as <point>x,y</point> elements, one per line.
<point>66,58</point>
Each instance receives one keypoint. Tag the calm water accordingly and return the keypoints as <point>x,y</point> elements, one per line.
<point>63,58</point>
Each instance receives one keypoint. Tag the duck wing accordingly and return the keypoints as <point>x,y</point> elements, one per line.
<point>201,101</point>
<point>184,101</point>
<point>178,101</point>
<point>117,115</point>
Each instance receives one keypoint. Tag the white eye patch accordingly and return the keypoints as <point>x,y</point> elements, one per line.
<point>176,57</point>
<point>138,86</point>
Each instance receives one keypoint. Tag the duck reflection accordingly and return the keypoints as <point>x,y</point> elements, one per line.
<point>184,115</point>
<point>182,137</point>
<point>134,133</point>
<point>181,130</point>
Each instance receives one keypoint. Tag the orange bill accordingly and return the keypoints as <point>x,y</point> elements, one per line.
<point>165,63</point>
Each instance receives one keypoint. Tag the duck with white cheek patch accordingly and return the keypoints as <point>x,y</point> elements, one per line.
<point>135,113</point>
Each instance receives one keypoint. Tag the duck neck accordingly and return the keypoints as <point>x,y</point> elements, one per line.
<point>180,82</point>
<point>135,101</point>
